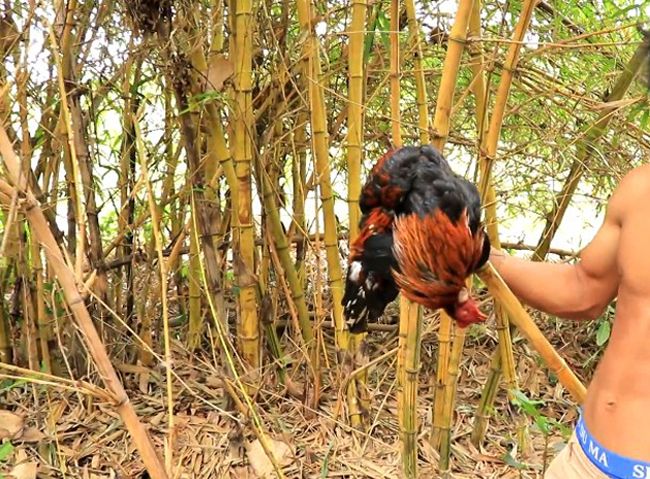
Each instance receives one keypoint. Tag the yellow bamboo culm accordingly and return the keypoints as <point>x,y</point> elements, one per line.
<point>450,398</point>
<point>487,155</point>
<point>408,361</point>
<point>355,155</point>
<point>489,149</point>
<point>418,71</point>
<point>408,366</point>
<point>479,88</point>
<point>355,112</point>
<point>194,286</point>
<point>441,122</point>
<point>320,146</point>
<point>410,318</point>
<point>249,328</point>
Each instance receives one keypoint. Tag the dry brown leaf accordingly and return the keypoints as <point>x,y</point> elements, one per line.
<point>11,425</point>
<point>32,434</point>
<point>261,462</point>
<point>220,70</point>
<point>26,470</point>
<point>616,104</point>
<point>56,412</point>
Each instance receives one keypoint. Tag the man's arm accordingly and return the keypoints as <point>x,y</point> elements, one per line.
<point>573,291</point>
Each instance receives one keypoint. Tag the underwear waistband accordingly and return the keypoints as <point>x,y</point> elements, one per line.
<point>612,464</point>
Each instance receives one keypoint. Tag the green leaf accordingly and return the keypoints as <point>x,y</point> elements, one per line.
<point>384,26</point>
<point>543,424</point>
<point>604,330</point>
<point>324,469</point>
<point>5,451</point>
<point>511,461</point>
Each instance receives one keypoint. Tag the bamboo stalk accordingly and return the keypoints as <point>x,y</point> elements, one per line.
<point>488,150</point>
<point>488,396</point>
<point>441,122</point>
<point>5,337</point>
<point>355,112</point>
<point>194,285</point>
<point>43,328</point>
<point>127,194</point>
<point>298,177</point>
<point>395,112</point>
<point>196,179</point>
<point>24,287</point>
<point>355,141</point>
<point>418,72</point>
<point>410,321</point>
<point>450,398</point>
<point>503,329</point>
<point>282,249</point>
<point>587,146</point>
<point>408,365</point>
<point>320,142</point>
<point>248,327</point>
<point>157,238</point>
<point>487,154</point>
<point>67,280</point>
<point>451,65</point>
<point>68,131</point>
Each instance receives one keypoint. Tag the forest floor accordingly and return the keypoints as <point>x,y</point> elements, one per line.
<point>65,434</point>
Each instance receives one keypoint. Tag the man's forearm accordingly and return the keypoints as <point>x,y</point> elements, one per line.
<point>553,288</point>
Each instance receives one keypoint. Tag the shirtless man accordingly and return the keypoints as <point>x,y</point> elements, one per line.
<point>612,437</point>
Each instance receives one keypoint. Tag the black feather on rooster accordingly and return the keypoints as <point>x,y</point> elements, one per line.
<point>420,233</point>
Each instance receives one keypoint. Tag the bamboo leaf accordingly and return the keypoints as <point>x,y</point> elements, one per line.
<point>604,330</point>
<point>5,451</point>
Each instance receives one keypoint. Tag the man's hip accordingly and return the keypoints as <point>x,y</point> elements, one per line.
<point>584,457</point>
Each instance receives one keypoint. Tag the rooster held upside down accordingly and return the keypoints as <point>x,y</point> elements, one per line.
<point>421,234</point>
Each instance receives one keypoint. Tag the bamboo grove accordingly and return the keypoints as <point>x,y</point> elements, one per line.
<point>180,182</point>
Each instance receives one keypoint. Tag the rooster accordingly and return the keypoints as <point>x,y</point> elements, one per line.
<point>421,234</point>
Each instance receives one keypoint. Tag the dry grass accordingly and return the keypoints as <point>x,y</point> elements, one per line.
<point>68,435</point>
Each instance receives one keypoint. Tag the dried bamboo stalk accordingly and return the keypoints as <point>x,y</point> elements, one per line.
<point>75,302</point>
<point>42,324</point>
<point>520,318</point>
